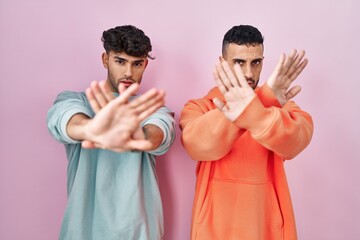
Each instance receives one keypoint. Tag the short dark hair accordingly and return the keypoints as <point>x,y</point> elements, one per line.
<point>242,35</point>
<point>128,39</point>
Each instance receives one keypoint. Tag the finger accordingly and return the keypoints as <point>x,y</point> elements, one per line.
<point>289,61</point>
<point>140,145</point>
<point>143,115</point>
<point>150,110</point>
<point>147,96</point>
<point>139,134</point>
<point>230,74</point>
<point>130,91</point>
<point>98,94</point>
<point>90,144</point>
<point>299,69</point>
<point>298,58</point>
<point>223,76</point>
<point>219,83</point>
<point>293,92</point>
<point>122,88</point>
<point>240,76</point>
<point>219,104</point>
<point>280,64</point>
<point>273,80</point>
<point>119,149</point>
<point>105,89</point>
<point>157,99</point>
<point>92,100</point>
<point>87,144</point>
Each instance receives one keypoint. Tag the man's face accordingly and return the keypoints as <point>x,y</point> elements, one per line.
<point>250,58</point>
<point>123,69</point>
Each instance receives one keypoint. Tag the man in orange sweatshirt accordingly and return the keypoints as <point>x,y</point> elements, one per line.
<point>240,135</point>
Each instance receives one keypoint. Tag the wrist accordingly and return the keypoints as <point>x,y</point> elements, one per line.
<point>76,127</point>
<point>273,95</point>
<point>154,134</point>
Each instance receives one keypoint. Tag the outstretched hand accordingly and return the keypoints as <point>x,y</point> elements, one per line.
<point>235,89</point>
<point>287,70</point>
<point>116,125</point>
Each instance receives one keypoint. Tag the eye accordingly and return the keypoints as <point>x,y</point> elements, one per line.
<point>256,62</point>
<point>240,62</point>
<point>121,62</point>
<point>138,65</point>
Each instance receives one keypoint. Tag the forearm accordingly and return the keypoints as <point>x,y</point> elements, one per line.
<point>207,136</point>
<point>285,131</point>
<point>76,127</point>
<point>267,96</point>
<point>153,134</point>
<point>66,105</point>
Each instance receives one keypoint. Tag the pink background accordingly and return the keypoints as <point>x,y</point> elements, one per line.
<point>48,46</point>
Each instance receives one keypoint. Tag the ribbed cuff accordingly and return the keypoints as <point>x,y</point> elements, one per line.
<point>267,96</point>
<point>256,118</point>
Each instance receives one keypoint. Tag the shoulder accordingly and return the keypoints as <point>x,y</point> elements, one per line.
<point>76,101</point>
<point>204,103</point>
<point>166,110</point>
<point>72,98</point>
<point>71,95</point>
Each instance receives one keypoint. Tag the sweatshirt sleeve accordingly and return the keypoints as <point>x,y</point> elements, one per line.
<point>286,131</point>
<point>206,133</point>
<point>164,119</point>
<point>267,96</point>
<point>66,105</point>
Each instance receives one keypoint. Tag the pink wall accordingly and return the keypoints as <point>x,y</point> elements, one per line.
<point>49,46</point>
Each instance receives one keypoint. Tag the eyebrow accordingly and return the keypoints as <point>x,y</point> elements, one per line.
<point>120,58</point>
<point>125,60</point>
<point>240,59</point>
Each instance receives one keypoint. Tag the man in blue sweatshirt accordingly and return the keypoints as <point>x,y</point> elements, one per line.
<point>111,137</point>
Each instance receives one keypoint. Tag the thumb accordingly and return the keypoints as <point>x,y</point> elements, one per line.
<point>139,134</point>
<point>272,81</point>
<point>293,92</point>
<point>88,144</point>
<point>140,145</point>
<point>219,104</point>
<point>122,88</point>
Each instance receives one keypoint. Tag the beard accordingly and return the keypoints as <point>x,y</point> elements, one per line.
<point>252,83</point>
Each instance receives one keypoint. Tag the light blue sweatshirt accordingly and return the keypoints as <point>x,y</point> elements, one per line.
<point>111,196</point>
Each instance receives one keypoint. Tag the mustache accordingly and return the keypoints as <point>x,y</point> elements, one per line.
<point>250,80</point>
<point>125,79</point>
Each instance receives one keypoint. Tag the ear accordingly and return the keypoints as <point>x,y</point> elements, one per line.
<point>105,60</point>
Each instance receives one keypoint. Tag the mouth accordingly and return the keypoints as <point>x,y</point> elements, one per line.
<point>126,83</point>
<point>250,82</point>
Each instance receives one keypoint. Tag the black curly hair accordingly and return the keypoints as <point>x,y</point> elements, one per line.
<point>242,35</point>
<point>128,39</point>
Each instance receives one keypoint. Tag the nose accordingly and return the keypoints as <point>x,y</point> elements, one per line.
<point>128,70</point>
<point>247,71</point>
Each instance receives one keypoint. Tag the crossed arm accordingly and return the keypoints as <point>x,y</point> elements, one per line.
<point>238,94</point>
<point>286,130</point>
<point>116,125</point>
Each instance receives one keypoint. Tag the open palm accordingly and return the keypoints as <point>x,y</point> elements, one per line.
<point>287,70</point>
<point>235,89</point>
<point>116,125</point>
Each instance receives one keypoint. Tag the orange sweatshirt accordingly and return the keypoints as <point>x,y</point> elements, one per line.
<point>241,189</point>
